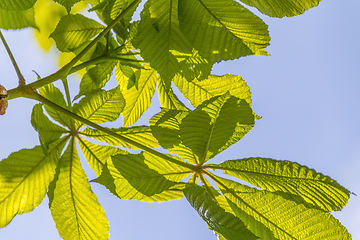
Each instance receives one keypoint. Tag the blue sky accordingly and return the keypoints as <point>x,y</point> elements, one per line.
<point>307,93</point>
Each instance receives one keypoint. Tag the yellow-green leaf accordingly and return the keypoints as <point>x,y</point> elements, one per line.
<point>143,177</point>
<point>100,106</point>
<point>17,19</point>
<point>138,99</point>
<point>280,215</point>
<point>282,8</point>
<point>141,134</point>
<point>222,30</point>
<point>24,179</point>
<point>74,207</point>
<point>285,176</point>
<point>74,30</point>
<point>199,91</point>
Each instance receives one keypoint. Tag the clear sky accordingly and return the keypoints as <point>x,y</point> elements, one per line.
<point>307,93</point>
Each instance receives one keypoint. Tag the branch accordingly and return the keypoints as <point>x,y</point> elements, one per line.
<point>34,95</point>
<point>20,76</point>
<point>69,68</point>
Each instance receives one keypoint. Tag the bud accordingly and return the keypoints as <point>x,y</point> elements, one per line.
<point>3,100</point>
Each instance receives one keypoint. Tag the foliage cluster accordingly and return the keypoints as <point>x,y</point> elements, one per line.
<point>175,43</point>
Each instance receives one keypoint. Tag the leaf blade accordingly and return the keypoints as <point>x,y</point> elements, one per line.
<point>74,207</point>
<point>285,176</point>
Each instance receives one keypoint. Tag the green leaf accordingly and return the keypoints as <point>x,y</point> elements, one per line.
<point>17,19</point>
<point>24,178</point>
<point>285,176</point>
<point>74,207</point>
<point>199,91</point>
<point>138,99</point>
<point>16,5</point>
<point>54,94</point>
<point>74,30</point>
<point>215,125</point>
<point>222,30</point>
<point>96,77</point>
<point>48,131</point>
<point>160,40</point>
<point>67,3</point>
<point>282,8</point>
<point>167,97</point>
<point>113,8</point>
<point>100,106</point>
<point>273,216</point>
<point>229,226</point>
<point>165,127</point>
<point>137,133</point>
<point>143,177</point>
<point>97,155</point>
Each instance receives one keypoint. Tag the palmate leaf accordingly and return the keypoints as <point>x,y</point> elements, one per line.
<point>100,106</point>
<point>159,38</point>
<point>285,176</point>
<point>48,131</point>
<point>143,177</point>
<point>225,224</point>
<point>138,99</point>
<point>137,133</point>
<point>16,5</point>
<point>198,91</point>
<point>274,216</point>
<point>24,179</point>
<point>215,125</point>
<point>74,207</point>
<point>282,8</point>
<point>17,19</point>
<point>222,30</point>
<point>97,155</point>
<point>74,30</point>
<point>53,94</point>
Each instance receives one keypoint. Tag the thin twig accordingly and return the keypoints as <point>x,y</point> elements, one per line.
<point>20,76</point>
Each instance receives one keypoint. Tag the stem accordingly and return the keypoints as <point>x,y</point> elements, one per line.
<point>20,76</point>
<point>36,96</point>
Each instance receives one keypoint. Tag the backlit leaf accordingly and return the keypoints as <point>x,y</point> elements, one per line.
<point>138,99</point>
<point>285,176</point>
<point>167,97</point>
<point>24,178</point>
<point>97,155</point>
<point>222,30</point>
<point>133,177</point>
<point>54,94</point>
<point>100,106</point>
<point>137,133</point>
<point>48,131</point>
<point>273,216</point>
<point>282,8</point>
<point>74,207</point>
<point>67,3</point>
<point>159,38</point>
<point>215,125</point>
<point>96,77</point>
<point>222,222</point>
<point>16,5</point>
<point>74,30</point>
<point>17,19</point>
<point>198,91</point>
